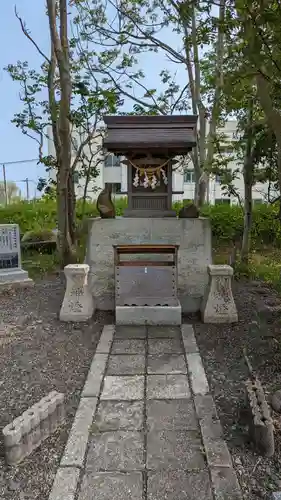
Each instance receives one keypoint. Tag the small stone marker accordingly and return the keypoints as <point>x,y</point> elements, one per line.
<point>218,305</point>
<point>28,431</point>
<point>78,304</point>
<point>11,273</point>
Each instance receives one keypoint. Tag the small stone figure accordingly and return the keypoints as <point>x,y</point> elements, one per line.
<point>189,211</point>
<point>104,203</point>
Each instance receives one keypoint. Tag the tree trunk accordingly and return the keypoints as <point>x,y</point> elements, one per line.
<point>272,115</point>
<point>216,106</point>
<point>87,180</point>
<point>71,207</point>
<point>248,175</point>
<point>195,97</point>
<point>65,195</point>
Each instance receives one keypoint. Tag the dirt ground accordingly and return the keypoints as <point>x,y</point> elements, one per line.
<point>39,354</point>
<point>221,348</point>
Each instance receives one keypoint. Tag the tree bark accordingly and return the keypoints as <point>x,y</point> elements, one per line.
<point>248,175</point>
<point>272,115</point>
<point>65,188</point>
<point>216,106</point>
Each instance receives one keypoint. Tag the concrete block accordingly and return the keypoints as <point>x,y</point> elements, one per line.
<point>199,382</point>
<point>14,280</point>
<point>261,424</point>
<point>75,450</point>
<point>148,315</point>
<point>195,254</point>
<point>65,484</point>
<point>106,338</point>
<point>189,340</point>
<point>78,304</point>
<point>95,376</point>
<point>28,431</point>
<point>225,484</point>
<point>218,305</point>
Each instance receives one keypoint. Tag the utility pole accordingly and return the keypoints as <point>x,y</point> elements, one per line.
<point>5,184</point>
<point>27,188</point>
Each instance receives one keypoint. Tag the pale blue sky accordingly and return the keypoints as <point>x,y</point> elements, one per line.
<point>14,46</point>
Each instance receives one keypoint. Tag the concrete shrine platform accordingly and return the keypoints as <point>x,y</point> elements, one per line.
<point>146,427</point>
<point>195,254</point>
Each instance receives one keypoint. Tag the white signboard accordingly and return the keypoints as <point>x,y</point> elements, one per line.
<point>10,254</point>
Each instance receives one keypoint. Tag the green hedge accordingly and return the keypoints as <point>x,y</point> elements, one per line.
<point>227,221</point>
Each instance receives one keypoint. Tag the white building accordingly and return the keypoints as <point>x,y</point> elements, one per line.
<point>111,170</point>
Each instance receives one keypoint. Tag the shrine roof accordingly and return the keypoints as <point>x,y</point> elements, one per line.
<point>175,134</point>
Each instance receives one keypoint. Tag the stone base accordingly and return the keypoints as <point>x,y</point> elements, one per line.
<point>195,254</point>
<point>148,315</point>
<point>16,278</point>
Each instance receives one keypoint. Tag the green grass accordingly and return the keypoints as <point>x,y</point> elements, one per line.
<point>264,264</point>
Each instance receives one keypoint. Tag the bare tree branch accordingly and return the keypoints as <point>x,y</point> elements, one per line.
<point>25,32</point>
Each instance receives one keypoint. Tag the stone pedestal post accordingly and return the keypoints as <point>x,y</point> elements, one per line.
<point>218,305</point>
<point>78,302</point>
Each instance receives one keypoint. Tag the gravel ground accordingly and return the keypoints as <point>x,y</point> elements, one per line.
<point>39,354</point>
<point>221,348</point>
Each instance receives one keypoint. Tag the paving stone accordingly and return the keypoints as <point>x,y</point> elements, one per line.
<point>164,332</point>
<point>174,450</point>
<point>171,415</point>
<point>178,485</point>
<point>167,387</point>
<point>95,376</point>
<point>217,453</point>
<point>75,450</point>
<point>112,486</point>
<point>128,346</point>
<point>65,484</point>
<point>225,484</point>
<point>123,388</point>
<point>130,332</point>
<point>164,346</point>
<point>189,340</point>
<point>119,450</point>
<point>197,373</point>
<point>166,363</point>
<point>115,415</point>
<point>126,364</point>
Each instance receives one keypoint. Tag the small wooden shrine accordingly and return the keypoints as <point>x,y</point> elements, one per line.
<point>150,145</point>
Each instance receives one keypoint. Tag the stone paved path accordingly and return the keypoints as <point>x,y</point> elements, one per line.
<point>146,427</point>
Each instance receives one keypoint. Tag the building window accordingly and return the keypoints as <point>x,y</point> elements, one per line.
<point>112,161</point>
<point>226,149</point>
<point>116,187</point>
<point>189,176</point>
<point>222,176</point>
<point>258,202</point>
<point>222,201</point>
